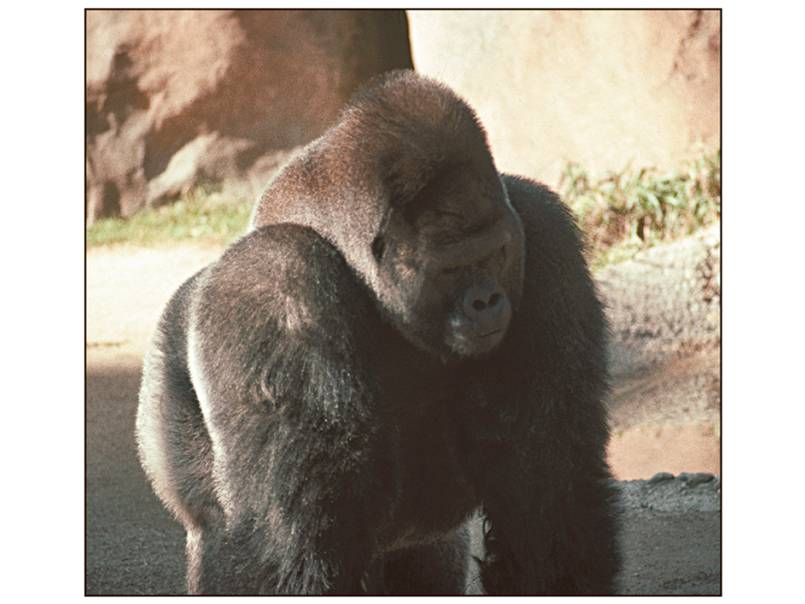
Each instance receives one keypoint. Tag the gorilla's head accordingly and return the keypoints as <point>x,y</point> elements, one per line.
<point>448,251</point>
<point>450,264</point>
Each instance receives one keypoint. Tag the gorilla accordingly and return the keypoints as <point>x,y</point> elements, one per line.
<point>404,339</point>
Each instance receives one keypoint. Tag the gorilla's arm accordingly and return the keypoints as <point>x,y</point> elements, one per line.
<point>277,350</point>
<point>538,444</point>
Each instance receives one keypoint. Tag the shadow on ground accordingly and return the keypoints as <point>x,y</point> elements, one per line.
<point>133,545</point>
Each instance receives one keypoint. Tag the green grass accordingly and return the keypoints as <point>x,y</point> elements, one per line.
<point>624,212</point>
<point>193,218</point>
<point>620,212</point>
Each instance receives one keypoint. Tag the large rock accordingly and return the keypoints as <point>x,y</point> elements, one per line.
<point>664,305</point>
<point>180,98</point>
<point>597,87</point>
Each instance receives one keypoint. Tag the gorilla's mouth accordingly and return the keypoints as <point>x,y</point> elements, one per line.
<point>486,341</point>
<point>469,344</point>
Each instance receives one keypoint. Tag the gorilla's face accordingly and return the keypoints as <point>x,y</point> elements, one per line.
<point>451,265</point>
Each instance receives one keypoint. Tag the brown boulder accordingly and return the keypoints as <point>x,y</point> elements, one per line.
<point>179,98</point>
<point>601,88</point>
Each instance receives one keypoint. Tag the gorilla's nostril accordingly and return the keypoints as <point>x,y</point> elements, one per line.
<point>484,301</point>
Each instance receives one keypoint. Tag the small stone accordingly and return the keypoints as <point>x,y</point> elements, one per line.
<point>695,478</point>
<point>661,477</point>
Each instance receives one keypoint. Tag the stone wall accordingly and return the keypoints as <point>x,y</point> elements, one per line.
<point>180,98</point>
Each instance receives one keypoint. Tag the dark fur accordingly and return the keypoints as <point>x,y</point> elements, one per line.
<point>312,430</point>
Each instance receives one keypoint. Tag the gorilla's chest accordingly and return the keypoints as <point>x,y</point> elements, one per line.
<point>434,493</point>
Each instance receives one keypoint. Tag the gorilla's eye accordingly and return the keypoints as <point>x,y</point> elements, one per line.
<point>378,248</point>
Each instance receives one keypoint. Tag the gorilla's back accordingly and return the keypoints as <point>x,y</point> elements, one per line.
<point>173,443</point>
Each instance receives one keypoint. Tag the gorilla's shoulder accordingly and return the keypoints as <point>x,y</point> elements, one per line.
<point>281,250</point>
<point>540,208</point>
<point>549,225</point>
<point>281,278</point>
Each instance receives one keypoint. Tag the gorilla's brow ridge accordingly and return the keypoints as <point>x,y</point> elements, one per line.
<point>463,233</point>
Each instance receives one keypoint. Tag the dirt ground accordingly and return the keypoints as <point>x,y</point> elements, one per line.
<point>671,529</point>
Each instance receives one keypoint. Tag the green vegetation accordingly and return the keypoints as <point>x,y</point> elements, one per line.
<point>195,217</point>
<point>621,213</point>
<point>624,212</point>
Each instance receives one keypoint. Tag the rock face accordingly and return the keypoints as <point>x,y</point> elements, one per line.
<point>180,98</point>
<point>665,304</point>
<point>601,88</point>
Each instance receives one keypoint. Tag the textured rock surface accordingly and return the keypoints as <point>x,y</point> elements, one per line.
<point>665,303</point>
<point>600,88</point>
<point>179,98</point>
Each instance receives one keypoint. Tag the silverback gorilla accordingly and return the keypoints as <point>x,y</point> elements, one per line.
<point>405,337</point>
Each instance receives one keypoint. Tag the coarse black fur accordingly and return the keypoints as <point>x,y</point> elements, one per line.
<point>405,337</point>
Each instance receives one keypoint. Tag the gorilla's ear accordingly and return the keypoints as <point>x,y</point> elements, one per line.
<point>378,247</point>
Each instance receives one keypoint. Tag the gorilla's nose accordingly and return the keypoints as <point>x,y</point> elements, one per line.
<point>484,302</point>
